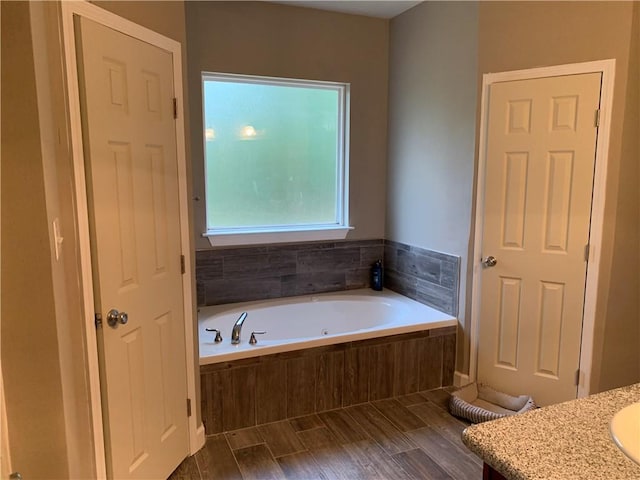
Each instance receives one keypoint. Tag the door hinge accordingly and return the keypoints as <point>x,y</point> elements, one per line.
<point>175,108</point>
<point>183,267</point>
<point>597,120</point>
<point>577,379</point>
<point>587,249</point>
<point>188,407</point>
<point>98,320</point>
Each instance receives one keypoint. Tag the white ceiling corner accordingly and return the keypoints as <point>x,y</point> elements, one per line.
<point>375,8</point>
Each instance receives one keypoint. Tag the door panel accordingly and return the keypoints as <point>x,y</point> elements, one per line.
<point>132,184</point>
<point>539,177</point>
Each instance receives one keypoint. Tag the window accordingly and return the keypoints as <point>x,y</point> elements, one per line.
<point>275,159</point>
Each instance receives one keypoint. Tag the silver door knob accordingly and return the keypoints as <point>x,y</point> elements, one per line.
<point>114,318</point>
<point>490,261</point>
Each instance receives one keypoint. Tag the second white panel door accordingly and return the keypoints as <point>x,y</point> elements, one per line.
<point>538,191</point>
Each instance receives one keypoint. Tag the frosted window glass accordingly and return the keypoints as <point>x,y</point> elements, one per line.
<point>272,154</point>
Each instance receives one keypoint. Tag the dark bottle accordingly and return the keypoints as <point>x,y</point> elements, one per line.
<point>376,275</point>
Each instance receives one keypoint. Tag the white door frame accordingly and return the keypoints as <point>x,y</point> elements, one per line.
<point>607,68</point>
<point>103,17</point>
<point>5,453</point>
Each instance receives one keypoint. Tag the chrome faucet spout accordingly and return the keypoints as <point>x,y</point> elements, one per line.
<point>237,328</point>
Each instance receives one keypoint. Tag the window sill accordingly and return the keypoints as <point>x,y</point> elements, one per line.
<point>255,237</point>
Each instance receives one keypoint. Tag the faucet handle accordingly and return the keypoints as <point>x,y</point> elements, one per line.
<point>252,339</point>
<point>218,338</point>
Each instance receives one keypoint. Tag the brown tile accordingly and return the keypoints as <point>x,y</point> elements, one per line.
<point>356,278</point>
<point>314,282</point>
<point>356,376</point>
<point>230,290</point>
<point>328,260</point>
<point>227,366</point>
<point>372,342</point>
<point>400,416</point>
<point>436,296</point>
<point>187,470</point>
<point>455,461</point>
<point>238,398</point>
<point>375,461</point>
<point>411,399</point>
<point>380,429</point>
<point>301,386</point>
<point>317,438</point>
<point>251,266</point>
<point>435,332</point>
<point>450,427</point>
<point>215,460</point>
<point>407,372</point>
<point>244,438</point>
<point>419,465</point>
<point>382,371</point>
<point>329,381</point>
<point>337,464</point>
<point>211,401</point>
<point>299,466</point>
<point>416,264</point>
<point>271,392</point>
<point>431,363</point>
<point>448,359</point>
<point>439,397</point>
<point>257,463</point>
<point>281,438</point>
<point>306,423</point>
<point>344,428</point>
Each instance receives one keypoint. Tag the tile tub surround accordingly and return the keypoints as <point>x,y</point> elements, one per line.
<point>260,390</point>
<point>229,275</point>
<point>569,440</point>
<point>427,276</point>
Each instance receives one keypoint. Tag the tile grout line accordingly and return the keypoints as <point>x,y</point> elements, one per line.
<point>232,454</point>
<point>195,459</point>
<point>397,426</point>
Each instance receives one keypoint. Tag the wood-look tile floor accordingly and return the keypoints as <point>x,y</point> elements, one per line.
<point>410,437</point>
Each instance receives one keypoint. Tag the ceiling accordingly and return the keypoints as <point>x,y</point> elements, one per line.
<point>379,8</point>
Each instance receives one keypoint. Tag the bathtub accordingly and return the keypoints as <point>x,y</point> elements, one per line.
<point>297,323</point>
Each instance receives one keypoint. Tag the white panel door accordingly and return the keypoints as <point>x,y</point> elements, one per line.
<point>132,184</point>
<point>539,177</point>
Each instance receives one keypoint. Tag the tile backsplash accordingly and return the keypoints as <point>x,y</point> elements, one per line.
<point>228,275</point>
<point>272,271</point>
<point>427,276</point>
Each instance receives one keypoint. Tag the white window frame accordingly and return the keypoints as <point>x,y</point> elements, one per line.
<point>291,233</point>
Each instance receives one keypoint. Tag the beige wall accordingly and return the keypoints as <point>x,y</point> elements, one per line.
<point>165,17</point>
<point>65,270</point>
<point>518,35</point>
<point>619,340</point>
<point>432,103</point>
<point>431,152</point>
<point>283,41</point>
<point>30,351</point>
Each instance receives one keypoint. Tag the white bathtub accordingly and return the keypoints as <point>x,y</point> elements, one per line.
<point>296,323</point>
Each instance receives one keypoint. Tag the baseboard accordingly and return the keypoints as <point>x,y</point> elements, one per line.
<point>199,440</point>
<point>460,379</point>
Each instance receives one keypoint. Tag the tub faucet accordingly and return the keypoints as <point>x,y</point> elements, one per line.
<point>237,327</point>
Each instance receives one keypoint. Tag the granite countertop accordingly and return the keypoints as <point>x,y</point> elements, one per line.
<point>566,441</point>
